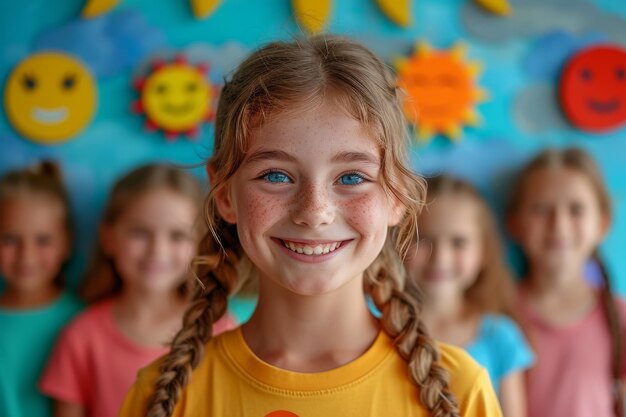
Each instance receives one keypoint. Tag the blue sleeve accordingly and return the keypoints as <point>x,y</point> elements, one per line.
<point>515,353</point>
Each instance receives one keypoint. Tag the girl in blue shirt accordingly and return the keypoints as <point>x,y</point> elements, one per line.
<point>459,263</point>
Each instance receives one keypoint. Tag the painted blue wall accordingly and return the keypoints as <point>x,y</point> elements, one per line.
<point>518,57</point>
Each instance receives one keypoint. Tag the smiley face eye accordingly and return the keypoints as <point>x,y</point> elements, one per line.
<point>585,74</point>
<point>620,74</point>
<point>161,89</point>
<point>69,82</point>
<point>191,87</point>
<point>29,82</point>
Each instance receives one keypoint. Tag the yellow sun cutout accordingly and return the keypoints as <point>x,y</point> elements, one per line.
<point>176,98</point>
<point>441,91</point>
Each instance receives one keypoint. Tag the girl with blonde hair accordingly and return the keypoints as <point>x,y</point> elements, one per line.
<point>470,294</point>
<point>137,287</point>
<point>310,186</point>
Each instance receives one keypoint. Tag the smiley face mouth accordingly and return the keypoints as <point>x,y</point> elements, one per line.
<point>178,110</point>
<point>49,116</point>
<point>603,106</point>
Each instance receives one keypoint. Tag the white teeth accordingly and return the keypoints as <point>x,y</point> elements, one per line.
<point>312,250</point>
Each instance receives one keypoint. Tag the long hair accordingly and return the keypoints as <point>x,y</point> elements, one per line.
<point>43,179</point>
<point>580,161</point>
<point>102,280</point>
<point>493,291</point>
<point>278,77</point>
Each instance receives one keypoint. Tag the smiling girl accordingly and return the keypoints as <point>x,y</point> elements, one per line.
<point>310,186</point>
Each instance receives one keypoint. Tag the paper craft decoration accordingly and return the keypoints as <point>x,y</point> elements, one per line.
<point>50,97</point>
<point>441,89</point>
<point>592,88</point>
<point>175,97</point>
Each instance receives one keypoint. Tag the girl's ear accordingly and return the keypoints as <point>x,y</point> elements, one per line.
<point>605,226</point>
<point>223,199</point>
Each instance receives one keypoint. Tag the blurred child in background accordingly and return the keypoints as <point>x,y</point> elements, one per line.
<point>35,242</point>
<point>559,214</point>
<point>460,266</point>
<point>138,287</point>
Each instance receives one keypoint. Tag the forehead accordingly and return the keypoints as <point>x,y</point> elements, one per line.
<point>313,130</point>
<point>450,212</point>
<point>38,212</point>
<point>161,206</point>
<point>558,182</point>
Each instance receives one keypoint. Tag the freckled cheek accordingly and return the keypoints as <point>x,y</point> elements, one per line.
<point>367,213</point>
<point>258,210</point>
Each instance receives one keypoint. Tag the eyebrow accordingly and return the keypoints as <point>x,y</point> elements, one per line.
<point>270,155</point>
<point>364,157</point>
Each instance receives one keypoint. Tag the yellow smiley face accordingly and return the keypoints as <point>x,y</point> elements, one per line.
<point>50,97</point>
<point>176,97</point>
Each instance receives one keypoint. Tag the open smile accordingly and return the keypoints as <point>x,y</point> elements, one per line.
<point>311,251</point>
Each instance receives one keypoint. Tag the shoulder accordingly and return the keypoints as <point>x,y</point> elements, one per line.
<point>501,329</point>
<point>68,303</point>
<point>469,382</point>
<point>147,376</point>
<point>461,366</point>
<point>88,322</point>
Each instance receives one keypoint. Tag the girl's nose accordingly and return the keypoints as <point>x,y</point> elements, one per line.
<point>26,251</point>
<point>159,245</point>
<point>313,207</point>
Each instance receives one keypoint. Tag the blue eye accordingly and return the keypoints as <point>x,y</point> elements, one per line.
<point>351,179</point>
<point>276,177</point>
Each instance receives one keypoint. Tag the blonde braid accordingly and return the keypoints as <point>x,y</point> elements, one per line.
<point>401,319</point>
<point>217,275</point>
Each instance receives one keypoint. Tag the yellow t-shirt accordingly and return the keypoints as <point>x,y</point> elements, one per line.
<point>231,381</point>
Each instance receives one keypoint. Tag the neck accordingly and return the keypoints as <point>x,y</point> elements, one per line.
<point>139,304</point>
<point>310,333</point>
<point>561,281</point>
<point>445,319</point>
<point>13,298</point>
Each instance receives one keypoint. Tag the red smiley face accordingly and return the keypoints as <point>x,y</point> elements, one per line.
<point>592,88</point>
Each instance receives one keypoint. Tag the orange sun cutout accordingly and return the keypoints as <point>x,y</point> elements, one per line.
<point>176,98</point>
<point>441,91</point>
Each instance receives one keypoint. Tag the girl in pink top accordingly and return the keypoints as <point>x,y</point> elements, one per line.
<point>138,283</point>
<point>559,214</point>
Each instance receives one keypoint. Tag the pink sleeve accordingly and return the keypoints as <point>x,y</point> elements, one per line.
<point>65,376</point>
<point>227,322</point>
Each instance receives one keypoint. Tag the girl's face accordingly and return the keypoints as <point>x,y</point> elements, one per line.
<point>450,254</point>
<point>153,241</point>
<point>559,221</point>
<point>33,242</point>
<point>308,200</point>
